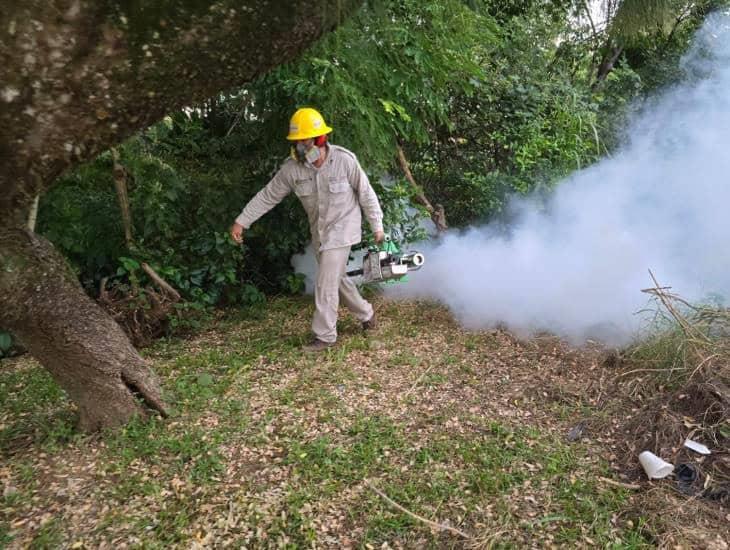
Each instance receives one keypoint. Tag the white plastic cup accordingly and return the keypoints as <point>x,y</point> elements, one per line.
<point>655,467</point>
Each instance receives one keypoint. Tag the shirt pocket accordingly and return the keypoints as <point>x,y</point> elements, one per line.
<point>338,188</point>
<point>304,188</point>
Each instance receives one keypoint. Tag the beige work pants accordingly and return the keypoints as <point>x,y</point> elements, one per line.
<point>333,285</point>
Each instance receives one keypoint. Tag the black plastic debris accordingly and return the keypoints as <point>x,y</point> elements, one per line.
<point>686,475</point>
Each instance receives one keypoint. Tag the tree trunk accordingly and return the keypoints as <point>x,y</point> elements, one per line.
<point>86,352</point>
<point>612,54</point>
<point>77,77</point>
<point>120,183</point>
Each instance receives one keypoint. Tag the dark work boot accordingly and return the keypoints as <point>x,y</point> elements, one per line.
<point>316,346</point>
<point>370,324</point>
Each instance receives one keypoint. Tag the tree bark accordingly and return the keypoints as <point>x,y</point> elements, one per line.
<point>120,183</point>
<point>83,348</point>
<point>438,215</point>
<point>77,77</point>
<point>613,52</point>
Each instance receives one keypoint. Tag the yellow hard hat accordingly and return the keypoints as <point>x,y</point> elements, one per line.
<point>307,123</point>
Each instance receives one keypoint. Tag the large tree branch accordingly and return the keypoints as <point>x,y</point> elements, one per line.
<point>78,76</point>
<point>587,9</point>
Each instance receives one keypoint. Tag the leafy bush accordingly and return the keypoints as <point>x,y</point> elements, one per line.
<point>6,343</point>
<point>486,98</point>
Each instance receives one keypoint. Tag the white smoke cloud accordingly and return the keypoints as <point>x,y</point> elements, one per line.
<point>577,268</point>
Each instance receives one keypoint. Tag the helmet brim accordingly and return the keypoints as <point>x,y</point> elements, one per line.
<point>304,135</point>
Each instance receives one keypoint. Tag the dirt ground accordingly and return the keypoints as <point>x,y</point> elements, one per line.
<point>418,435</point>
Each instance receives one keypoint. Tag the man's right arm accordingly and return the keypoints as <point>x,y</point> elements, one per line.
<point>271,195</point>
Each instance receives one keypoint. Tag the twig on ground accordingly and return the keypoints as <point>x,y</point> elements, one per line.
<point>649,370</point>
<point>418,381</point>
<point>632,486</point>
<point>702,364</point>
<point>432,524</point>
<point>103,294</point>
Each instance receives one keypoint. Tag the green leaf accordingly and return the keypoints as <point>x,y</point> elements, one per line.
<point>204,380</point>
<point>129,264</point>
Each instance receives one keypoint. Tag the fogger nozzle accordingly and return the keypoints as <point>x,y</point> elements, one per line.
<point>415,259</point>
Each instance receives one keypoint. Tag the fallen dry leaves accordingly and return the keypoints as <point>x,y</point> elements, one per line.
<point>420,386</point>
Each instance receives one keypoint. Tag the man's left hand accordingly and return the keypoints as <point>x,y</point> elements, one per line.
<point>379,237</point>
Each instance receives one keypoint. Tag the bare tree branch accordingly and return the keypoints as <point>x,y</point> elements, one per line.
<point>438,215</point>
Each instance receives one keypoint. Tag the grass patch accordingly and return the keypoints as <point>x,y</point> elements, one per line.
<point>5,537</point>
<point>532,487</point>
<point>48,536</point>
<point>330,464</point>
<point>167,526</point>
<point>28,388</point>
<point>268,447</point>
<point>35,411</point>
<point>187,450</point>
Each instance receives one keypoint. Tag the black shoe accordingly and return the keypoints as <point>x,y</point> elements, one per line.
<point>370,324</point>
<point>317,345</point>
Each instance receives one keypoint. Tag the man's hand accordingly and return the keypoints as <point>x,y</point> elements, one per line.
<point>379,237</point>
<point>237,232</point>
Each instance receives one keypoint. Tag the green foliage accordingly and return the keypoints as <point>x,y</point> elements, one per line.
<point>181,209</point>
<point>655,52</point>
<point>82,218</point>
<point>525,125</point>
<point>616,99</point>
<point>488,98</point>
<point>654,36</point>
<point>389,74</point>
<point>400,217</point>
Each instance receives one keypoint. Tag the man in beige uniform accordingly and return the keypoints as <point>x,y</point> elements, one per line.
<point>332,187</point>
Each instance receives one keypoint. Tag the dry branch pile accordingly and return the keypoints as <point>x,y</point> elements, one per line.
<point>143,313</point>
<point>680,379</point>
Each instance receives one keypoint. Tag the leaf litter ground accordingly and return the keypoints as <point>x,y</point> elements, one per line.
<point>419,435</point>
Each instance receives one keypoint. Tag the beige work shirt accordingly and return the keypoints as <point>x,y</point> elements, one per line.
<point>332,196</point>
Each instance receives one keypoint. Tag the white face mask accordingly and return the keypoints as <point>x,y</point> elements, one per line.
<point>310,153</point>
